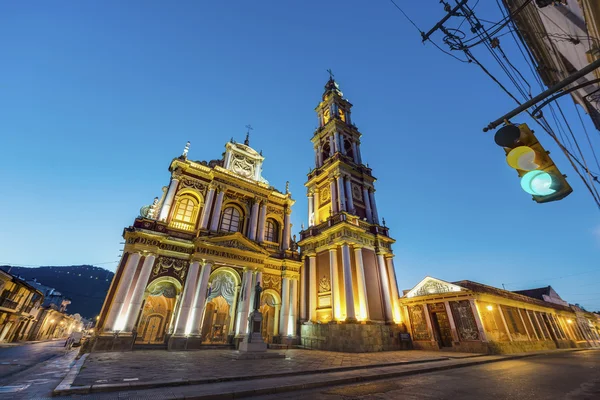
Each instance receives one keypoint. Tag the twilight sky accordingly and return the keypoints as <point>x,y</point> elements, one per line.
<point>96,98</point>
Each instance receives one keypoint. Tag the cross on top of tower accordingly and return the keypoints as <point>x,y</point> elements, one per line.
<point>330,74</point>
<point>248,129</point>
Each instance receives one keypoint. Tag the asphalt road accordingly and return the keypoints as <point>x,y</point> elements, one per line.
<point>572,375</point>
<point>20,358</point>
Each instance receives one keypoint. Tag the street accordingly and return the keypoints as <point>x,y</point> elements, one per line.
<point>572,375</point>
<point>30,370</point>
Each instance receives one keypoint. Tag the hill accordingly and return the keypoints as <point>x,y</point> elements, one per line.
<point>85,285</point>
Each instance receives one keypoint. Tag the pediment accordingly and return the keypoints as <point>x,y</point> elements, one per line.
<point>235,241</point>
<point>429,286</point>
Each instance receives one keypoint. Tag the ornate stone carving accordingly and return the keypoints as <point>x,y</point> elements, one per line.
<point>170,266</point>
<point>325,194</point>
<point>226,254</point>
<point>243,166</point>
<point>274,210</point>
<point>234,244</point>
<point>324,284</point>
<point>433,287</point>
<point>357,192</point>
<point>271,282</point>
<point>192,183</point>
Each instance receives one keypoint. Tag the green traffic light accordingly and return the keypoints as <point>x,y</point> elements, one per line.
<point>537,183</point>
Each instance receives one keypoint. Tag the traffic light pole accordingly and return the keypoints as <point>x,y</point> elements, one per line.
<point>550,91</point>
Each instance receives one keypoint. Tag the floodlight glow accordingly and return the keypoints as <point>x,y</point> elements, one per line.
<point>522,158</point>
<point>537,183</point>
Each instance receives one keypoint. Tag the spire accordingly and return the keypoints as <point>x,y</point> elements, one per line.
<point>247,141</point>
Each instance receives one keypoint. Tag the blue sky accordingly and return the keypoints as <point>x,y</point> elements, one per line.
<point>97,97</point>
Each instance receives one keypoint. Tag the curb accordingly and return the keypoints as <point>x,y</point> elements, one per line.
<point>65,386</point>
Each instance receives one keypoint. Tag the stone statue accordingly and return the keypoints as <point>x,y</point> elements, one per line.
<point>287,187</point>
<point>186,149</point>
<point>257,291</point>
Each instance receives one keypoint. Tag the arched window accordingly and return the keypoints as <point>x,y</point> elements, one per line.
<point>185,214</point>
<point>271,232</point>
<point>231,220</point>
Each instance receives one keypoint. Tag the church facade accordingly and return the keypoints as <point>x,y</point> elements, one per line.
<point>192,259</point>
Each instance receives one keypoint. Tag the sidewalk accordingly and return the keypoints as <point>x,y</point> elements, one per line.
<point>24,343</point>
<point>262,378</point>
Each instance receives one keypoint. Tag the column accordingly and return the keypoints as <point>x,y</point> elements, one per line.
<point>293,306</point>
<point>367,204</point>
<point>532,325</point>
<point>475,312</point>
<point>394,286</point>
<point>349,194</point>
<point>164,211</point>
<point>373,207</point>
<point>244,303</point>
<point>214,223</point>
<point>358,153</point>
<point>524,324</point>
<point>363,310</point>
<point>303,292</point>
<point>335,286</point>
<point>188,297</point>
<point>342,147</point>
<point>200,299</point>
<point>261,222</point>
<point>319,156</point>
<point>455,337</point>
<point>428,321</point>
<point>539,324</point>
<point>316,156</point>
<point>316,220</point>
<point>354,152</point>
<point>312,288</point>
<point>336,141</point>
<point>286,228</point>
<point>253,220</point>
<point>348,286</point>
<point>138,293</point>
<point>331,145</point>
<point>504,322</point>
<point>341,197</point>
<point>285,306</point>
<point>121,293</point>
<point>333,190</point>
<point>311,210</point>
<point>207,207</point>
<point>385,288</point>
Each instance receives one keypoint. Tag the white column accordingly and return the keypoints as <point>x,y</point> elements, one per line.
<point>319,156</point>
<point>363,308</point>
<point>354,152</point>
<point>336,141</point>
<point>244,303</point>
<point>335,286</point>
<point>121,292</point>
<point>373,207</point>
<point>214,223</point>
<point>312,288</point>
<point>394,286</point>
<point>504,322</point>
<point>164,211</point>
<point>253,220</point>
<point>348,285</point>
<point>286,229</point>
<point>475,312</point>
<point>385,288</point>
<point>316,220</point>
<point>333,190</point>
<point>285,306</point>
<point>451,320</point>
<point>311,216</point>
<point>331,145</point>
<point>188,297</point>
<point>342,147</point>
<point>207,207</point>
<point>367,204</point>
<point>262,221</point>
<point>349,194</point>
<point>138,293</point>
<point>303,292</point>
<point>200,299</point>
<point>293,306</point>
<point>532,325</point>
<point>341,197</point>
<point>524,324</point>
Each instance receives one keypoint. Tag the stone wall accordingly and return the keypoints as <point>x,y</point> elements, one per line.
<point>522,346</point>
<point>353,338</point>
<point>112,343</point>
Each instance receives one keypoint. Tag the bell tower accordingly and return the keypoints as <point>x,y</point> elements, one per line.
<point>348,274</point>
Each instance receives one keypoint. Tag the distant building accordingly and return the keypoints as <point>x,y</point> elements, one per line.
<point>20,304</point>
<point>51,296</point>
<point>472,317</point>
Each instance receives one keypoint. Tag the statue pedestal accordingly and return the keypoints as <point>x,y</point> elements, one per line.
<point>253,346</point>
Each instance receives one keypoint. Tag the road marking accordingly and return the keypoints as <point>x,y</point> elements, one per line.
<point>131,379</point>
<point>13,389</point>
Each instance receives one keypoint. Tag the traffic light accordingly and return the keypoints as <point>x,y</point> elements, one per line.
<point>539,176</point>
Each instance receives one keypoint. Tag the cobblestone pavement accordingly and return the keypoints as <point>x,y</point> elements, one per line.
<point>152,365</point>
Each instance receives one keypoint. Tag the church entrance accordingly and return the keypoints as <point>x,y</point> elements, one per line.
<point>268,310</point>
<point>441,324</point>
<point>219,314</point>
<point>157,313</point>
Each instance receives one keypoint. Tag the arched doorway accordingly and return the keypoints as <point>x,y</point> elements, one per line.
<point>269,307</point>
<point>219,314</point>
<point>157,312</point>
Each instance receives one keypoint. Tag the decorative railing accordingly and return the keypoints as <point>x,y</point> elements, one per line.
<point>8,303</point>
<point>27,308</point>
<point>184,226</point>
<point>344,217</point>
